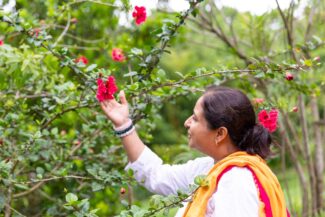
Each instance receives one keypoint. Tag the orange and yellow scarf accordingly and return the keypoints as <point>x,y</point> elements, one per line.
<point>271,197</point>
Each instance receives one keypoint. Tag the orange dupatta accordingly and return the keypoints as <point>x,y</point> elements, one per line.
<point>197,207</point>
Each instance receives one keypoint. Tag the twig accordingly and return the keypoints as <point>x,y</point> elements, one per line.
<point>78,47</point>
<point>16,211</point>
<point>55,178</point>
<point>165,42</point>
<point>289,32</point>
<point>64,31</point>
<point>95,2</point>
<point>73,108</point>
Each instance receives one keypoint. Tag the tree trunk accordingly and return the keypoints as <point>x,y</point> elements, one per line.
<point>319,157</point>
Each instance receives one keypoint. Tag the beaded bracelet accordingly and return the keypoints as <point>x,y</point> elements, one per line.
<point>126,133</point>
<point>124,126</point>
<point>125,129</point>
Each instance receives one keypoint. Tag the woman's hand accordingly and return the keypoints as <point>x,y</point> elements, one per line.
<point>117,112</point>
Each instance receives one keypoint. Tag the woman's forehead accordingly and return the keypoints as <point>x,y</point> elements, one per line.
<point>198,106</point>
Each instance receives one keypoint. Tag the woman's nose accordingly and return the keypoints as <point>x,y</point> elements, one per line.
<point>187,122</point>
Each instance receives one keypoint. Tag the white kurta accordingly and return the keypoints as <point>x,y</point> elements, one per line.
<point>236,195</point>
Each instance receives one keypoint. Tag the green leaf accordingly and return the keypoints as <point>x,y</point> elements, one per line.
<point>137,51</point>
<point>96,186</point>
<point>70,198</point>
<point>308,62</point>
<point>91,67</point>
<point>132,73</point>
<point>201,180</point>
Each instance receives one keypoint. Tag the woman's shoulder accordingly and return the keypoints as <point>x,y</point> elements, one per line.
<point>240,177</point>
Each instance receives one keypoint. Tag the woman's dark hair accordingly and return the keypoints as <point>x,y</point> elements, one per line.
<point>230,108</point>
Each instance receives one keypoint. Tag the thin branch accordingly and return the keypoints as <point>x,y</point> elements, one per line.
<point>310,22</point>
<point>166,40</point>
<point>15,211</point>
<point>73,108</point>
<point>298,168</point>
<point>64,31</point>
<point>293,133</point>
<point>29,190</point>
<point>289,32</point>
<point>95,2</point>
<point>55,178</point>
<point>78,47</point>
<point>33,96</point>
<point>207,24</point>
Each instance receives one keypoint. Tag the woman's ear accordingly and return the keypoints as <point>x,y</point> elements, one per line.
<point>221,135</point>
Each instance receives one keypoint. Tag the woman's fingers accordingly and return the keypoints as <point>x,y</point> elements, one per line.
<point>123,98</point>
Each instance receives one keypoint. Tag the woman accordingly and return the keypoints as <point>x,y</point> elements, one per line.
<point>223,126</point>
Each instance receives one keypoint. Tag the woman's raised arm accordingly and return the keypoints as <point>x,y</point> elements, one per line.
<point>118,113</point>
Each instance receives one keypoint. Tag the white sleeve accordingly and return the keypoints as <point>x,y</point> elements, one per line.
<point>166,179</point>
<point>236,195</point>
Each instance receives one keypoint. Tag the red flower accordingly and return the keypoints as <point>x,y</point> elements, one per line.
<point>257,101</point>
<point>117,55</point>
<point>289,76</point>
<point>268,120</point>
<point>106,90</point>
<point>1,42</point>
<point>82,59</point>
<point>139,14</point>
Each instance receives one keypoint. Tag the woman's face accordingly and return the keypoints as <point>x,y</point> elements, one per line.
<point>199,135</point>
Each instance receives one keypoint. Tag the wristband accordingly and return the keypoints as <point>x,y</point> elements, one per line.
<point>126,133</point>
<point>125,129</point>
<point>124,126</point>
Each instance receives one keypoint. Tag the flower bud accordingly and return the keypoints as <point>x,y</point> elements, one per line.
<point>122,191</point>
<point>317,59</point>
<point>289,76</point>
<point>294,109</point>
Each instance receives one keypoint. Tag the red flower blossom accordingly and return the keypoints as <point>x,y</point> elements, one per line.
<point>106,90</point>
<point>82,59</point>
<point>289,76</point>
<point>257,101</point>
<point>139,14</point>
<point>117,55</point>
<point>1,42</point>
<point>268,120</point>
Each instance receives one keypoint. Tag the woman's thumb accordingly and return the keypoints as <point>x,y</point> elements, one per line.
<point>122,97</point>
